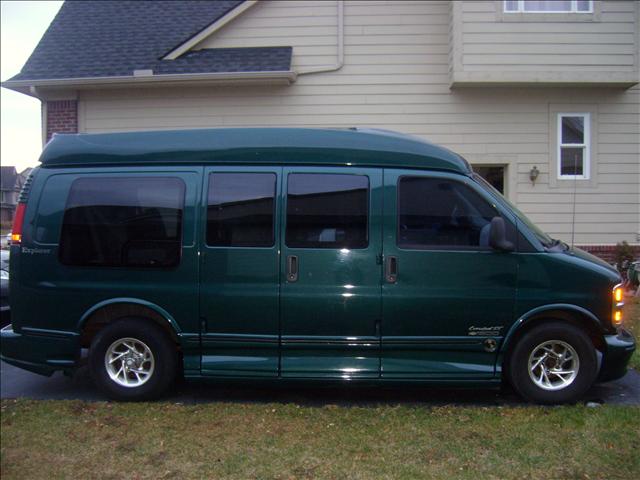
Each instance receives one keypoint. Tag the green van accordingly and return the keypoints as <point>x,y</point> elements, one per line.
<point>297,254</point>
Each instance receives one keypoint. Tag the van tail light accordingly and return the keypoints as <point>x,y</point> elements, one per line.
<point>618,304</point>
<point>18,220</point>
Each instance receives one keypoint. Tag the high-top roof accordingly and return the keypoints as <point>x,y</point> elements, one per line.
<point>278,146</point>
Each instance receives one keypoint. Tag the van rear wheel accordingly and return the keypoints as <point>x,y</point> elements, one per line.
<point>553,363</point>
<point>132,359</point>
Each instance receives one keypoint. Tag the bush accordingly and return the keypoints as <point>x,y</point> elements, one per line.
<point>623,256</point>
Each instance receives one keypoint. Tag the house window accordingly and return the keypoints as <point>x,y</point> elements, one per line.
<point>573,145</point>
<point>548,6</point>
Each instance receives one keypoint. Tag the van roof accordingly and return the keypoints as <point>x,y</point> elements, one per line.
<point>255,146</point>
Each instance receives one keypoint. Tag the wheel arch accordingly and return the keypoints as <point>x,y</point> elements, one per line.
<point>108,311</point>
<point>573,314</point>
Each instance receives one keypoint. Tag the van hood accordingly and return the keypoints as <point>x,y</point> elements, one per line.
<point>584,255</point>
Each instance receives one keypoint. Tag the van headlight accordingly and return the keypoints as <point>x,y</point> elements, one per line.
<point>617,302</point>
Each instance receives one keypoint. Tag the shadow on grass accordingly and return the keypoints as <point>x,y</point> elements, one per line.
<point>361,395</point>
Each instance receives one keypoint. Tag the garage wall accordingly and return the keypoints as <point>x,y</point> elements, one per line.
<point>396,77</point>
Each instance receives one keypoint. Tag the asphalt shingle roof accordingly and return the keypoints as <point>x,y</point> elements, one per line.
<point>8,178</point>
<point>258,59</point>
<point>116,37</point>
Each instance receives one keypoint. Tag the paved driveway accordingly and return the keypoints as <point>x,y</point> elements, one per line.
<point>15,382</point>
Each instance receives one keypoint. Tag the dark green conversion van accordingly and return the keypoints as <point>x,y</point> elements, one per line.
<point>297,254</point>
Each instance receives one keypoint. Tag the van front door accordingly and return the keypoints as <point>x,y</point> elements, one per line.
<point>239,279</point>
<point>447,296</point>
<point>331,274</point>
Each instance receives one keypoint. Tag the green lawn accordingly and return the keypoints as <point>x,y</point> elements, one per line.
<point>72,439</point>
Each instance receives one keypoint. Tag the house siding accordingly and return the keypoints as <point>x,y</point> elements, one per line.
<point>396,76</point>
<point>492,46</point>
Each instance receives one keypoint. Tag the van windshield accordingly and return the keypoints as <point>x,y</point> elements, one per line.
<point>545,239</point>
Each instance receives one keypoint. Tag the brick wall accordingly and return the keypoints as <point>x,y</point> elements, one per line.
<point>62,117</point>
<point>607,252</point>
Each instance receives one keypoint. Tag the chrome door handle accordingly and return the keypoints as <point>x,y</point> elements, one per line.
<point>292,268</point>
<point>391,269</point>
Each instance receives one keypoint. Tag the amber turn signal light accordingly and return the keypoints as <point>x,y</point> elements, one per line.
<point>617,294</point>
<point>617,317</point>
<point>616,313</point>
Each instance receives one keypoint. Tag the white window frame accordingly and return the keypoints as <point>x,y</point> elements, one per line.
<point>586,145</point>
<point>521,9</point>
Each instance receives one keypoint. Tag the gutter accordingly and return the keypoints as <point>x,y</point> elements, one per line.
<point>144,77</point>
<point>340,60</point>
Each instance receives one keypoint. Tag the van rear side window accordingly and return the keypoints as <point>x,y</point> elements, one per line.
<point>123,222</point>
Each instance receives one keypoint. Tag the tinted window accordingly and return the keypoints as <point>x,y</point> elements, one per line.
<point>123,222</point>
<point>240,209</point>
<point>440,213</point>
<point>51,206</point>
<point>327,211</point>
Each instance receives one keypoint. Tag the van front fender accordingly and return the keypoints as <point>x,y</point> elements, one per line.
<point>538,312</point>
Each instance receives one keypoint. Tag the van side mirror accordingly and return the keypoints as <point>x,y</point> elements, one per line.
<point>498,237</point>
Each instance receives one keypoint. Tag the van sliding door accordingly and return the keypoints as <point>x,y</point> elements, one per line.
<point>239,281</point>
<point>331,277</point>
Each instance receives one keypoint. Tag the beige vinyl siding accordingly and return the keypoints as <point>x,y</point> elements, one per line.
<point>399,80</point>
<point>492,46</point>
<point>276,23</point>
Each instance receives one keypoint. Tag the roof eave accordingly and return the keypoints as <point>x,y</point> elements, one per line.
<point>29,87</point>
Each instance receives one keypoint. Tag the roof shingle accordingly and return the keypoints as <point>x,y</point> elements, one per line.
<point>8,178</point>
<point>114,38</point>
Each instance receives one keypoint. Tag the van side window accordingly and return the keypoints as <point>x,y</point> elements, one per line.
<point>327,211</point>
<point>123,222</point>
<point>240,209</point>
<point>439,213</point>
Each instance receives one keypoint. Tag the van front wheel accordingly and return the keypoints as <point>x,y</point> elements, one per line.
<point>553,363</point>
<point>132,359</point>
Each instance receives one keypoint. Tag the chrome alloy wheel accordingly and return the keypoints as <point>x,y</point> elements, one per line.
<point>553,365</point>
<point>129,362</point>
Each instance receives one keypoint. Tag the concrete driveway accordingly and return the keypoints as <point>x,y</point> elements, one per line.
<point>17,383</point>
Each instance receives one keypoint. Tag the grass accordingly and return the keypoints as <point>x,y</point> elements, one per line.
<point>632,323</point>
<point>64,439</point>
<point>61,439</point>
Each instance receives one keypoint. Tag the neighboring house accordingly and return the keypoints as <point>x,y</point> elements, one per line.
<point>541,97</point>
<point>10,184</point>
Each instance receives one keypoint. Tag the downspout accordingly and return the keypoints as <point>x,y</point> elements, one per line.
<point>33,91</point>
<point>44,122</point>
<point>340,62</point>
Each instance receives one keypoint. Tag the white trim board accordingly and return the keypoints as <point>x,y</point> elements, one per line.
<point>217,25</point>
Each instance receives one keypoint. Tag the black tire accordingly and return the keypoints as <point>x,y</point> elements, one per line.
<point>165,359</point>
<point>518,367</point>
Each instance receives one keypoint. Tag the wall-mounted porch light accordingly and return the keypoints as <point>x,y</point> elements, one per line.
<point>533,175</point>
